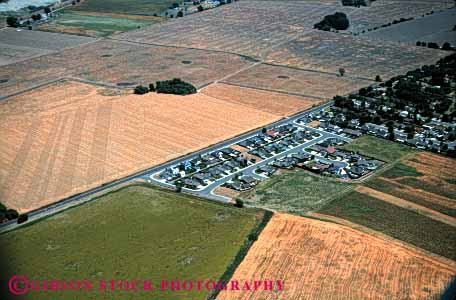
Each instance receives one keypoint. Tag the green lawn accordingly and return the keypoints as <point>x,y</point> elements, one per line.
<point>134,233</point>
<point>378,148</point>
<point>295,192</point>
<point>400,223</point>
<point>133,7</point>
<point>90,25</point>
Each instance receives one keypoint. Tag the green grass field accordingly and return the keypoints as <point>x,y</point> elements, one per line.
<point>400,223</point>
<point>92,25</point>
<point>134,233</point>
<point>295,192</point>
<point>131,7</point>
<point>378,148</point>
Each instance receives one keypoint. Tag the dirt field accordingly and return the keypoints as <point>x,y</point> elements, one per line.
<point>319,260</point>
<point>123,64</point>
<point>276,103</point>
<point>16,46</point>
<point>360,57</point>
<point>65,138</point>
<point>307,83</point>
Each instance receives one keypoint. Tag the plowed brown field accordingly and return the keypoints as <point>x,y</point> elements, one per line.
<point>276,103</point>
<point>320,260</point>
<point>66,138</point>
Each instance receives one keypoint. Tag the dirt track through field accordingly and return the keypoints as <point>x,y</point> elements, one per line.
<point>65,138</point>
<point>407,204</point>
<point>320,260</point>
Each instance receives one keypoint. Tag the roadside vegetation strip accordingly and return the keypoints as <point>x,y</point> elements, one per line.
<point>403,224</point>
<point>318,260</point>
<point>251,238</point>
<point>157,233</point>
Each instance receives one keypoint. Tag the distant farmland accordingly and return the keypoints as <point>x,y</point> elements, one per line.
<point>133,233</point>
<point>321,260</point>
<point>95,25</point>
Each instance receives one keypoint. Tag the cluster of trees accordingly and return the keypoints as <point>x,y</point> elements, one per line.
<point>356,3</point>
<point>175,86</point>
<point>446,46</point>
<point>337,21</point>
<point>12,21</point>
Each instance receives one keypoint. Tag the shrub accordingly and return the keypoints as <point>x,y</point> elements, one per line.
<point>175,86</point>
<point>141,90</point>
<point>12,21</point>
<point>239,203</point>
<point>11,214</point>
<point>22,218</point>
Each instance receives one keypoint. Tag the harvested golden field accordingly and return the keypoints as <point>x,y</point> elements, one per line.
<point>305,83</point>
<point>272,102</point>
<point>68,137</point>
<point>320,260</point>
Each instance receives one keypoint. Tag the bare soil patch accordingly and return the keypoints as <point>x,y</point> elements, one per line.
<point>63,139</point>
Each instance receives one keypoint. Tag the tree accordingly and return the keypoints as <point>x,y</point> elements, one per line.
<point>175,5</point>
<point>264,130</point>
<point>180,14</point>
<point>141,90</point>
<point>433,45</point>
<point>11,214</point>
<point>200,8</point>
<point>341,72</point>
<point>378,78</point>
<point>12,21</point>
<point>239,203</point>
<point>418,43</point>
<point>151,87</point>
<point>22,218</point>
<point>446,46</point>
<point>47,10</point>
<point>178,187</point>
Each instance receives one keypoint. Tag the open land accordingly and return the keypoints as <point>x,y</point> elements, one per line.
<point>122,64</point>
<point>136,232</point>
<point>294,81</point>
<point>327,52</point>
<point>93,24</point>
<point>130,7</point>
<point>321,260</point>
<point>401,223</point>
<point>437,28</point>
<point>69,137</point>
<point>271,102</point>
<point>16,46</point>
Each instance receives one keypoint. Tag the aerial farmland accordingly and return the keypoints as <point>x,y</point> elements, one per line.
<point>220,140</point>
